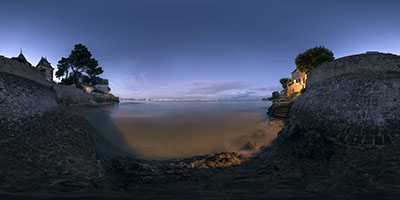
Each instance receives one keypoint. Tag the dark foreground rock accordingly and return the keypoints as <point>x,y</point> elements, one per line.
<point>49,152</point>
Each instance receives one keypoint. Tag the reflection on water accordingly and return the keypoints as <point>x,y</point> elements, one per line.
<point>165,130</point>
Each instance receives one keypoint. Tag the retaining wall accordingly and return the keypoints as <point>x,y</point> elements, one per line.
<point>371,62</point>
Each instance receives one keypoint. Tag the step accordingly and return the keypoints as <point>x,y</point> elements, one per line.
<point>280,113</point>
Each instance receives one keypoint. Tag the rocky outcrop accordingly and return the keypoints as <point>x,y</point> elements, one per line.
<point>22,98</point>
<point>53,152</point>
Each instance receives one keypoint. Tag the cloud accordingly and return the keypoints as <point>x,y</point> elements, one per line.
<point>135,80</point>
<point>132,85</point>
<point>270,88</point>
<point>129,85</point>
<point>216,88</point>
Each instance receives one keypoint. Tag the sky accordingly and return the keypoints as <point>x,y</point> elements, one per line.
<point>235,49</point>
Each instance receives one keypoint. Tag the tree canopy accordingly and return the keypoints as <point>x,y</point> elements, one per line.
<point>285,82</point>
<point>312,58</point>
<point>79,63</point>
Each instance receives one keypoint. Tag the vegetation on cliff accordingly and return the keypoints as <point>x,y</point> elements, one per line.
<point>275,95</point>
<point>313,57</point>
<point>285,82</point>
<point>79,64</point>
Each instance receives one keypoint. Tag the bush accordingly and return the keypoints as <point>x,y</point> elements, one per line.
<point>275,95</point>
<point>285,82</point>
<point>302,90</point>
<point>312,58</point>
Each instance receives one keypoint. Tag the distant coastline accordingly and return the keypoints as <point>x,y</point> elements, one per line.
<point>180,100</point>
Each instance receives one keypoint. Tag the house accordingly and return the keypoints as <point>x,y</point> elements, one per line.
<point>45,67</point>
<point>299,80</point>
<point>102,85</point>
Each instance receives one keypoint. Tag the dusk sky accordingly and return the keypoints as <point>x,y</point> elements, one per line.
<point>196,48</point>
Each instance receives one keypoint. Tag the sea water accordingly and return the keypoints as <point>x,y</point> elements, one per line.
<point>167,130</point>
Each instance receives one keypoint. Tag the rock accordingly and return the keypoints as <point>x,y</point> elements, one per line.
<point>250,146</point>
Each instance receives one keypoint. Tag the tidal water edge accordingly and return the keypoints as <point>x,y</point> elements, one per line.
<point>167,130</point>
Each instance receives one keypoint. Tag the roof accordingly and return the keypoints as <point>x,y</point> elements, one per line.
<point>21,58</point>
<point>102,82</point>
<point>44,62</point>
<point>294,70</point>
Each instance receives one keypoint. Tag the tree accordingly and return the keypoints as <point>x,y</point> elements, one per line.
<point>62,66</point>
<point>93,70</point>
<point>81,63</point>
<point>312,58</point>
<point>285,82</point>
<point>275,94</point>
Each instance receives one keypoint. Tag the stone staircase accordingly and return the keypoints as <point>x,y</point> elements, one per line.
<point>280,108</point>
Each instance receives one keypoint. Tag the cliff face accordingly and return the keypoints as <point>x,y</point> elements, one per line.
<point>358,110</point>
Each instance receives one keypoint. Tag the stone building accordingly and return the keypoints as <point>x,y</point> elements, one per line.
<point>299,80</point>
<point>45,67</point>
<point>102,85</point>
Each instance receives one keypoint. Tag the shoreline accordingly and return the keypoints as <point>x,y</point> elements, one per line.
<point>174,134</point>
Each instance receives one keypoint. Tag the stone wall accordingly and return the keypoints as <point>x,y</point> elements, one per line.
<point>373,61</point>
<point>65,95</point>
<point>24,70</point>
<point>70,95</point>
<point>294,88</point>
<point>359,109</point>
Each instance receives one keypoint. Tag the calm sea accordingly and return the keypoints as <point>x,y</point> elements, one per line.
<point>166,130</point>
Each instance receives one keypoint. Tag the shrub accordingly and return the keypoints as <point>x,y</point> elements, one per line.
<point>312,58</point>
<point>285,82</point>
<point>275,95</point>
